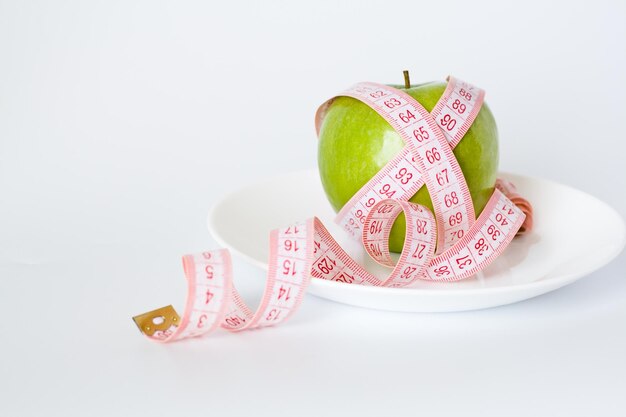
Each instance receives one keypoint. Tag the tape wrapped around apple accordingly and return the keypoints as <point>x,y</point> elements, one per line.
<point>355,143</point>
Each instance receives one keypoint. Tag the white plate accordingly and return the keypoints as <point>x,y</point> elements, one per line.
<point>574,235</point>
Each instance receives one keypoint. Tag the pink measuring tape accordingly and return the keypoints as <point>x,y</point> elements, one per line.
<point>448,246</point>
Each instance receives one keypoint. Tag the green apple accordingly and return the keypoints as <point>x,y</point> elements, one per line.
<point>355,143</point>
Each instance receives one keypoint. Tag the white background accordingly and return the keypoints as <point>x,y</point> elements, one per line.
<point>121,123</point>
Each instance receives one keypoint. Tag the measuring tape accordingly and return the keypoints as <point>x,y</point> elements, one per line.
<point>426,151</point>
<point>448,246</point>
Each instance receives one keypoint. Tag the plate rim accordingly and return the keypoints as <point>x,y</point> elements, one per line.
<point>563,279</point>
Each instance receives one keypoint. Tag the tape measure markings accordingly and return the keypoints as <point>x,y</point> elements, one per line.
<point>432,152</point>
<point>333,263</point>
<point>487,238</point>
<point>353,212</point>
<point>308,249</point>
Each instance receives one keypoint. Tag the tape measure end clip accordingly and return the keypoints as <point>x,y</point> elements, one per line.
<point>160,319</point>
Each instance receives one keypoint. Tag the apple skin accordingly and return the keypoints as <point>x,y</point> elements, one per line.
<point>355,143</point>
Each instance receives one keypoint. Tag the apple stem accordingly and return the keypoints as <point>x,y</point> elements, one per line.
<point>407,80</point>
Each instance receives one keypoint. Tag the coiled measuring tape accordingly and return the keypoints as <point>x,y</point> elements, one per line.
<point>448,246</point>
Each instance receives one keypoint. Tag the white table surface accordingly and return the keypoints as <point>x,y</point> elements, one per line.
<point>122,123</point>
